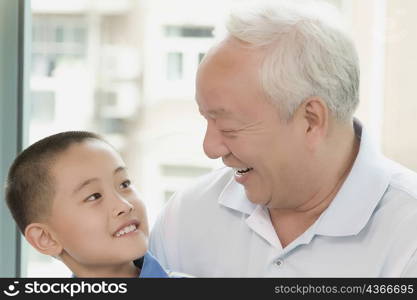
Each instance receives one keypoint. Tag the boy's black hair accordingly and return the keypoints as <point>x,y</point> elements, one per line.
<point>29,188</point>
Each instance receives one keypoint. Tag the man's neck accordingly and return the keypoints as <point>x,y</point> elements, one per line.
<point>289,223</point>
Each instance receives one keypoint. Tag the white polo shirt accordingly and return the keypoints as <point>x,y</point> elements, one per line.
<point>211,229</point>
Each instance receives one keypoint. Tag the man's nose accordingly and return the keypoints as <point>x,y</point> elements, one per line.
<point>121,205</point>
<point>213,145</point>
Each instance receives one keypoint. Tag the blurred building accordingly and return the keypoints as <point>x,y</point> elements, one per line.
<point>85,67</point>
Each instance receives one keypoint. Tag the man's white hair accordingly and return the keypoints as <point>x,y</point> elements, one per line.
<point>308,54</point>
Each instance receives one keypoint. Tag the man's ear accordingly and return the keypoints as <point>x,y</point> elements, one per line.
<point>314,115</point>
<point>42,239</point>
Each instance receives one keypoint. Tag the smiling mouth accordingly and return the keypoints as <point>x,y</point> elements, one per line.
<point>125,230</point>
<point>243,171</point>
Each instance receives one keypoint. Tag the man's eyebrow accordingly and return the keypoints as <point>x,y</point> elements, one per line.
<point>88,181</point>
<point>221,112</point>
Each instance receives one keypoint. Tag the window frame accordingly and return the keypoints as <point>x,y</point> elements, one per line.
<point>15,52</point>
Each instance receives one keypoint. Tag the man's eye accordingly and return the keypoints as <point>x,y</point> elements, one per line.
<point>125,184</point>
<point>228,132</point>
<point>93,197</point>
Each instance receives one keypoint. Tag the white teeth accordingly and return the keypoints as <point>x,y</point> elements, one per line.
<point>125,230</point>
<point>242,171</point>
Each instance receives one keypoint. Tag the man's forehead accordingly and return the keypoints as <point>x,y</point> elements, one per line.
<point>229,55</point>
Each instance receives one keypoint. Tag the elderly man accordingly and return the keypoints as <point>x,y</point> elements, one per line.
<point>304,191</point>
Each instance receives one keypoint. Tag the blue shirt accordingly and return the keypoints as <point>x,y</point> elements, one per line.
<point>150,267</point>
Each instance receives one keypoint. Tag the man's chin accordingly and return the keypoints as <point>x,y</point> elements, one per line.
<point>255,198</point>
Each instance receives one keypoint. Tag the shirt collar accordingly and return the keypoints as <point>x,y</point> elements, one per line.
<point>233,196</point>
<point>355,202</point>
<point>150,267</point>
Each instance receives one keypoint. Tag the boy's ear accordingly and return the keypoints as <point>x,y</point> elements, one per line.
<point>42,239</point>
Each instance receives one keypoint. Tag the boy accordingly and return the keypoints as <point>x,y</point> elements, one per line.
<point>71,196</point>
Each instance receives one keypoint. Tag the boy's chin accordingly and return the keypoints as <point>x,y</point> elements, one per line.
<point>139,251</point>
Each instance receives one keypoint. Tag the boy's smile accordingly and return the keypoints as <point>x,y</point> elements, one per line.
<point>130,228</point>
<point>97,217</point>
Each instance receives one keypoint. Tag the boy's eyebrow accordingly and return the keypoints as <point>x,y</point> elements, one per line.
<point>83,184</point>
<point>120,169</point>
<point>88,181</point>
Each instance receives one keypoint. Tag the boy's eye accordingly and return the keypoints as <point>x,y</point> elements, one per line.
<point>93,197</point>
<point>125,184</point>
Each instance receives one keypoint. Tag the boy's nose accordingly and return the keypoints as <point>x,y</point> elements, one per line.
<point>122,207</point>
